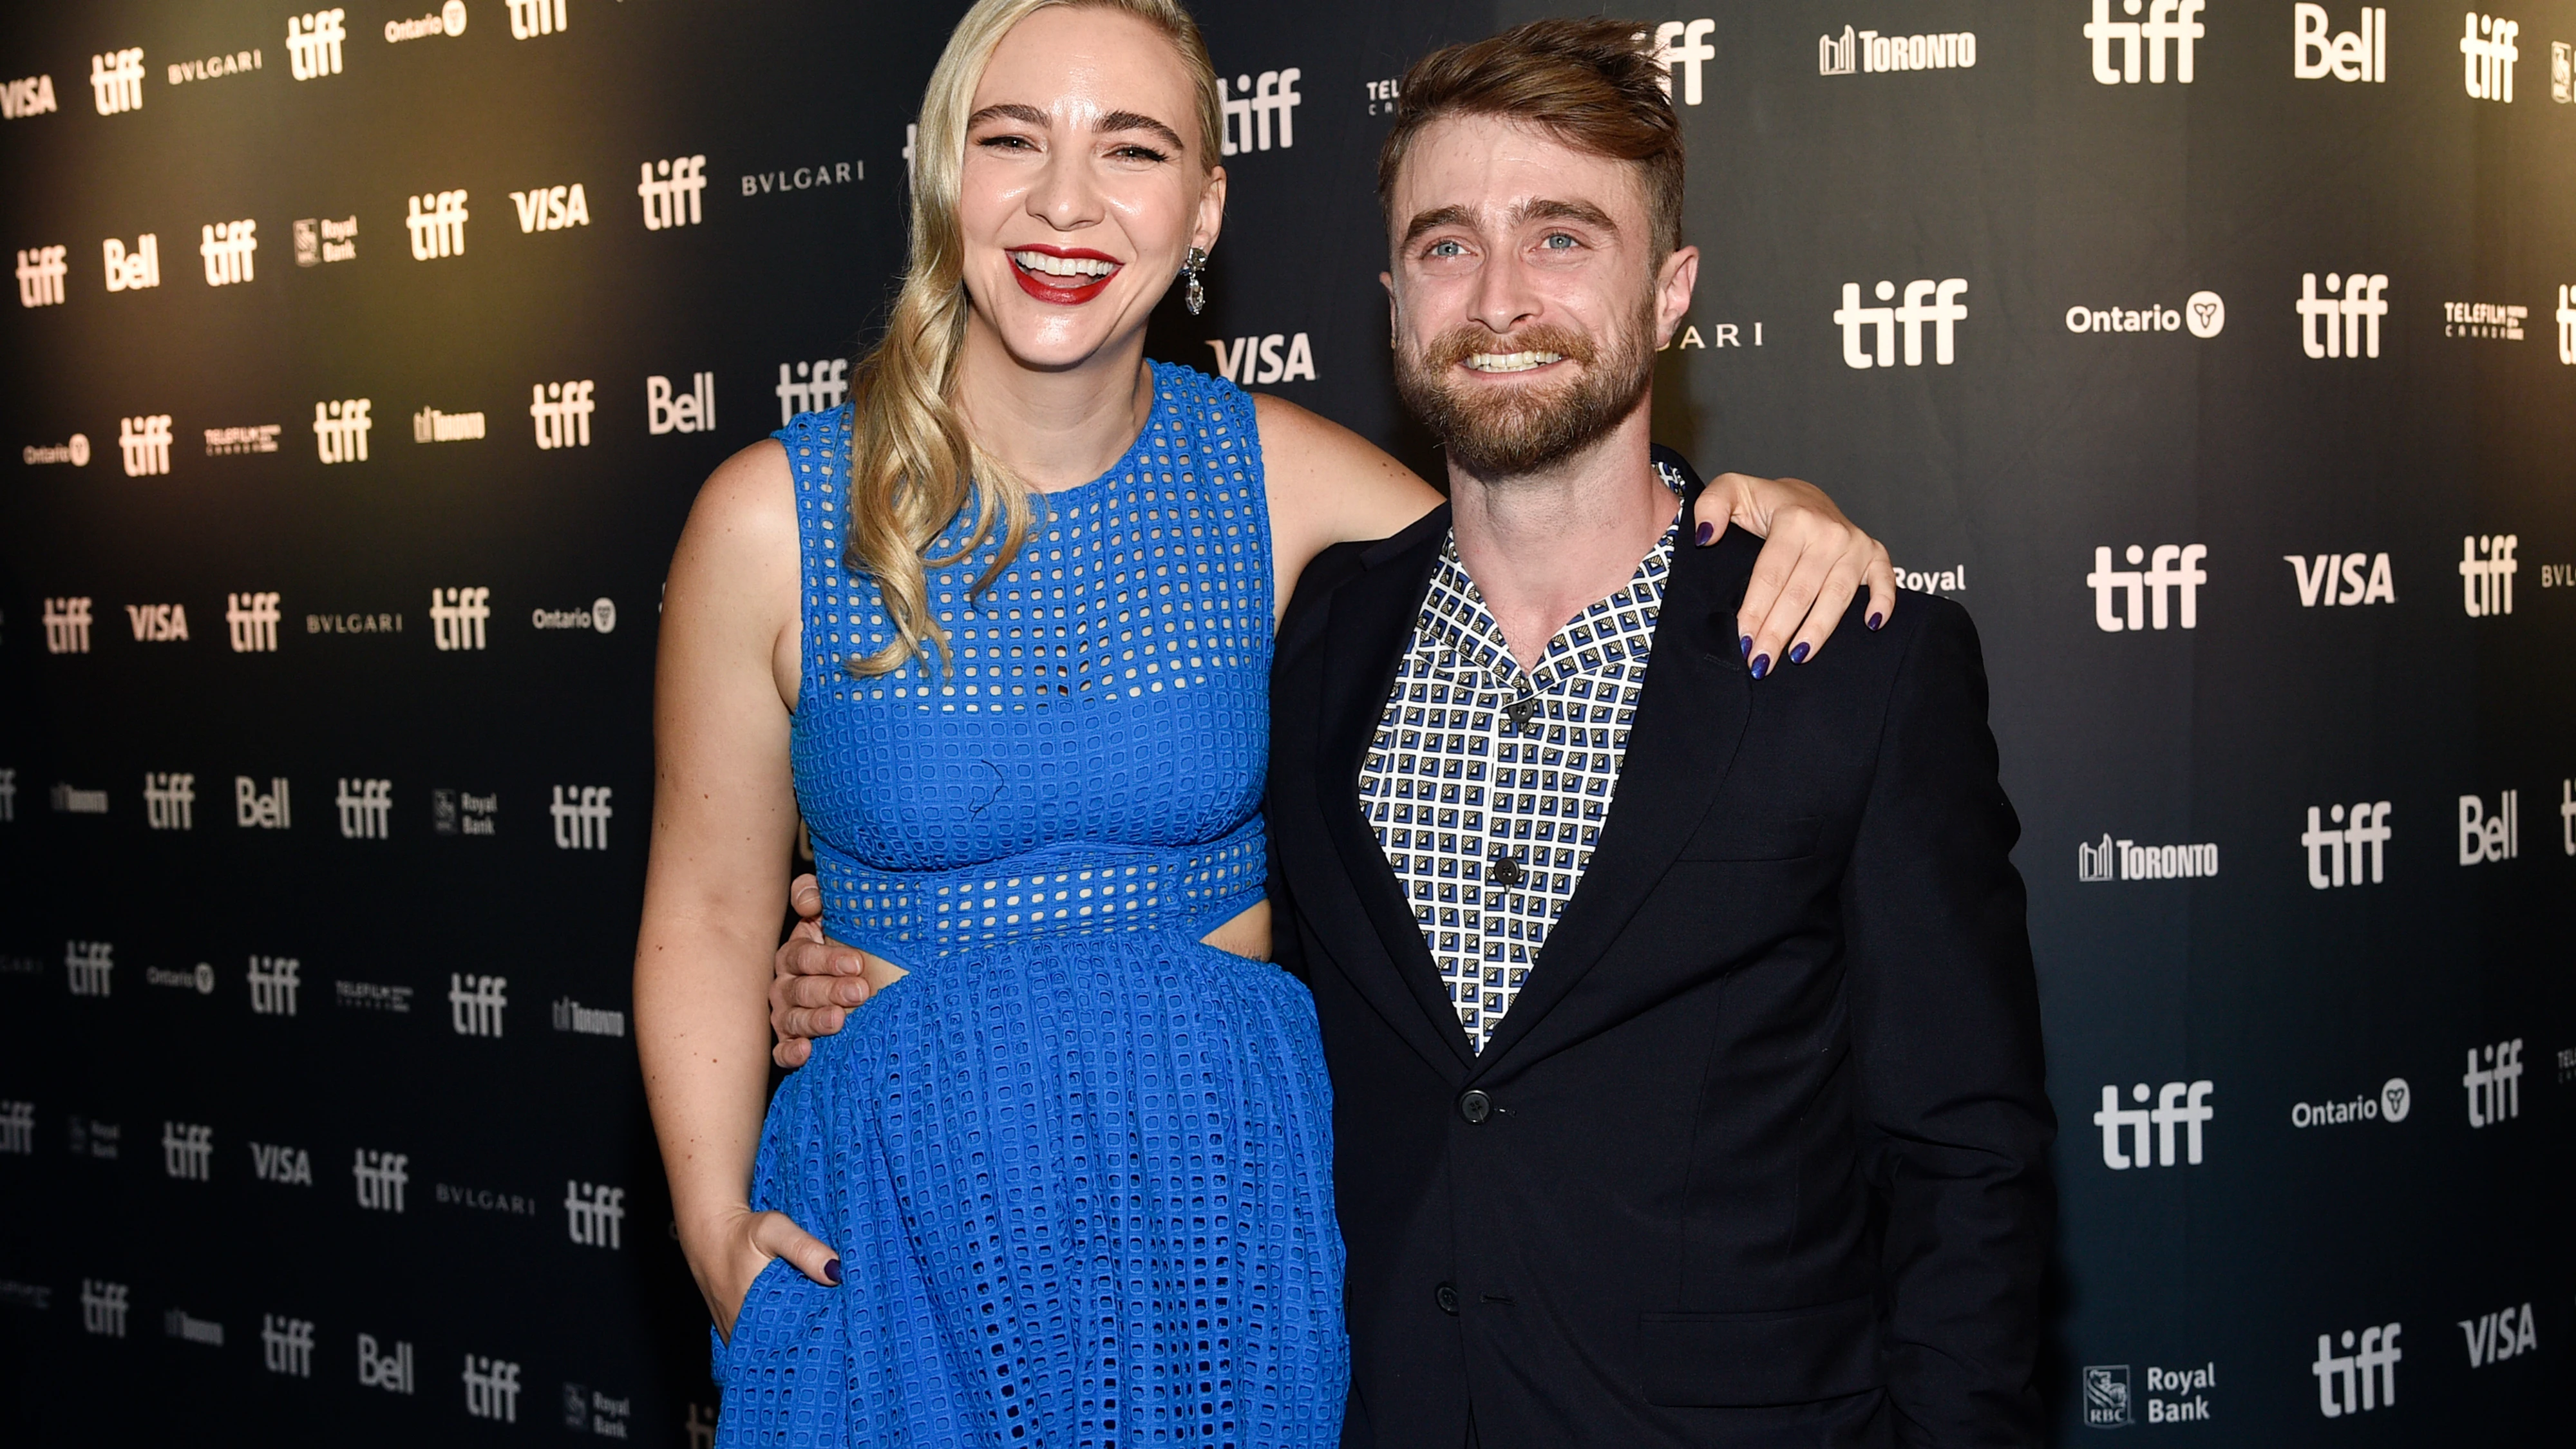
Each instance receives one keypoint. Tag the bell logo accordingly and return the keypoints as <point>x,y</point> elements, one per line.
<point>134,270</point>
<point>2124,1129</point>
<point>390,1371</point>
<point>437,222</point>
<point>1250,106</point>
<point>815,387</point>
<point>2487,55</point>
<point>2168,23</point>
<point>2485,837</point>
<point>2487,568</point>
<point>2357,1381</point>
<point>2360,55</point>
<point>2494,1083</point>
<point>2333,845</point>
<point>1258,359</point>
<point>2337,579</point>
<point>253,810</point>
<point>1684,43</point>
<point>666,411</point>
<point>2173,570</point>
<point>116,80</point>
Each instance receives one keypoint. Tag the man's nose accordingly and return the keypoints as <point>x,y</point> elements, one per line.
<point>1503,298</point>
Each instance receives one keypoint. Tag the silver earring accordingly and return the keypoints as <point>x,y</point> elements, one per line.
<point>1194,296</point>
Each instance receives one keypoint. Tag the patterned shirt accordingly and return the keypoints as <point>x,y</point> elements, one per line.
<point>1487,784</point>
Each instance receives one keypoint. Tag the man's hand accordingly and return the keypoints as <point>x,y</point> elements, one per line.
<point>814,982</point>
<point>1813,560</point>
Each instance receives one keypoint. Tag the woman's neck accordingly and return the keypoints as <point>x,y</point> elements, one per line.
<point>1054,429</point>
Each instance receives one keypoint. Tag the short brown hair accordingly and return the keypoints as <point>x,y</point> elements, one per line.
<point>1592,84</point>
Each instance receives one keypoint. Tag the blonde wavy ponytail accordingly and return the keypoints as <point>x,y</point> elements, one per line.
<point>912,464</point>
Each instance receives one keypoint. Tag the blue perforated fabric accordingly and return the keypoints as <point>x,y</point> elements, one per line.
<point>1077,1165</point>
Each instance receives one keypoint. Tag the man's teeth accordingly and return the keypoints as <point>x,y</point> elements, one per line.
<point>1063,266</point>
<point>1512,361</point>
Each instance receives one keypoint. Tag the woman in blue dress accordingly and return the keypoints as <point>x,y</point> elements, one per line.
<point>998,631</point>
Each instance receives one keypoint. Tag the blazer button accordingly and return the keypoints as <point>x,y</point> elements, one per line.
<point>1447,1298</point>
<point>1475,1107</point>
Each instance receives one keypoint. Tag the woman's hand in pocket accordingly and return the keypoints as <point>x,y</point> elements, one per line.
<point>747,1244</point>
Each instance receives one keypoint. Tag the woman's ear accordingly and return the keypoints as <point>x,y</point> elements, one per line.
<point>1211,217</point>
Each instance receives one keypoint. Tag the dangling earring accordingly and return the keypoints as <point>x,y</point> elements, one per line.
<point>1194,296</point>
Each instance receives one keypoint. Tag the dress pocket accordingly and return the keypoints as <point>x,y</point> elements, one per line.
<point>759,1303</point>
<point>1747,1360</point>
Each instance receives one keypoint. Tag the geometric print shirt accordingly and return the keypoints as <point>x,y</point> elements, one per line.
<point>1487,783</point>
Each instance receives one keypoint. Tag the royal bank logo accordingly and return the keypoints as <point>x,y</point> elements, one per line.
<point>239,441</point>
<point>18,1128</point>
<point>2487,568</point>
<point>2127,860</point>
<point>92,1139</point>
<point>2124,1129</point>
<point>2342,579</point>
<point>380,1178</point>
<point>2342,326</point>
<point>135,270</point>
<point>143,444</point>
<point>273,983</point>
<point>170,801</point>
<point>187,1151</point>
<point>2490,835</point>
<point>90,967</point>
<point>2169,28</point>
<point>572,1016</point>
<point>429,425</point>
<point>551,208</point>
<point>599,618</point>
<point>2394,1101</point>
<point>322,241</point>
<point>2361,1378</point>
<point>670,411</point>
<point>103,1304</point>
<point>366,809</point>
<point>811,387</point>
<point>670,189</point>
<point>340,429</point>
<point>313,43</point>
<point>1871,53</point>
<point>594,1213</point>
<point>457,616</point>
<point>250,622</point>
<point>492,1384</point>
<point>1276,357</point>
<point>437,224</point>
<point>116,81</point>
<point>476,1004</point>
<point>1926,300</point>
<point>532,18</point>
<point>387,1369</point>
<point>33,96</point>
<point>804,178</point>
<point>2338,843</point>
<point>1683,43</point>
<point>562,412</point>
<point>66,624</point>
<point>73,450</point>
<point>286,1345</point>
<point>2494,1083</point>
<point>1256,111</point>
<point>2503,1334</point>
<point>229,249</point>
<point>2351,55</point>
<point>454,812</point>
<point>2203,315</point>
<point>587,1410</point>
<point>2170,583</point>
<point>581,814</point>
<point>158,623</point>
<point>2487,55</point>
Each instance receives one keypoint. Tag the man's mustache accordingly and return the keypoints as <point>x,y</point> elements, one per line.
<point>1456,345</point>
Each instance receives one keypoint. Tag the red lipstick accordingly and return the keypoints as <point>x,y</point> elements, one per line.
<point>1048,289</point>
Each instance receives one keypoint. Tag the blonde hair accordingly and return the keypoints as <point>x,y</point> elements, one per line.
<point>912,465</point>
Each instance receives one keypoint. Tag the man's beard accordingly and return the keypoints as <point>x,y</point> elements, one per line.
<point>1495,434</point>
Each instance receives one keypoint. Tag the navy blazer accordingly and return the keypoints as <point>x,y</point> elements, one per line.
<point>1759,1155</point>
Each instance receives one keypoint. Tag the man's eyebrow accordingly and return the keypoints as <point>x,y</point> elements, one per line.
<point>1437,216</point>
<point>1110,121</point>
<point>1536,209</point>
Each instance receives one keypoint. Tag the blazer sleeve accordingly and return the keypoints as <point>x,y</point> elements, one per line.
<point>1956,1124</point>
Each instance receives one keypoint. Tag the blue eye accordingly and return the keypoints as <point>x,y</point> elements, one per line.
<point>1446,249</point>
<point>1558,240</point>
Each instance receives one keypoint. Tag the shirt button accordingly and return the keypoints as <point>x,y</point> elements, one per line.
<point>1475,1107</point>
<point>1447,1298</point>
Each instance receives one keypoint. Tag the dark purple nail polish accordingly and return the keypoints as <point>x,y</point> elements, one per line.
<point>832,1270</point>
<point>1707,535</point>
<point>1744,646</point>
<point>1798,652</point>
<point>1761,665</point>
<point>1877,619</point>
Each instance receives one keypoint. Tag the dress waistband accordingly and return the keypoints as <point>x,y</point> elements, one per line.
<point>1071,888</point>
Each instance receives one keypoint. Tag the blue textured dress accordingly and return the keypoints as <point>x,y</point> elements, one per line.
<point>1078,1166</point>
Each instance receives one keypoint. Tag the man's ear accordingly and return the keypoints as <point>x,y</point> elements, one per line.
<point>1674,282</point>
<point>1387,280</point>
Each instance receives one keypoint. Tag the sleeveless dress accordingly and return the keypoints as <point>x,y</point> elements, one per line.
<point>1077,1165</point>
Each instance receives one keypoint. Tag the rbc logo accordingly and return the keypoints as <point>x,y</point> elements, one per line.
<point>2106,1397</point>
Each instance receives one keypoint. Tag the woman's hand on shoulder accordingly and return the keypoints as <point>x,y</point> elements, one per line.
<point>1328,485</point>
<point>1813,561</point>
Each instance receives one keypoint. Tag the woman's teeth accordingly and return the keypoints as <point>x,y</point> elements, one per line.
<point>1512,361</point>
<point>1045,265</point>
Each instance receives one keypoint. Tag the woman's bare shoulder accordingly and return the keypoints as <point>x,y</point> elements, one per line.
<point>1331,483</point>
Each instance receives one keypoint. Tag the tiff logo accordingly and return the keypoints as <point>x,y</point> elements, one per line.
<point>187,1151</point>
<point>551,208</point>
<point>255,811</point>
<point>170,801</point>
<point>340,429</point>
<point>9,797</point>
<point>313,43</point>
<point>2487,55</point>
<point>2566,319</point>
<point>67,625</point>
<point>437,221</point>
<point>670,190</point>
<point>2373,1369</point>
<point>593,1212</point>
<point>2566,812</point>
<point>143,444</point>
<point>228,247</point>
<point>2334,845</point>
<point>2562,72</point>
<point>250,620</point>
<point>815,387</point>
<point>366,809</point>
<point>286,1345</point>
<point>2124,1129</point>
<point>380,1177</point>
<point>2494,1083</point>
<point>18,1128</point>
<point>693,411</point>
<point>91,967</point>
<point>2318,582</point>
<point>1258,359</point>
<point>532,18</point>
<point>1943,311</point>
<point>158,623</point>
<point>116,80</point>
<point>456,617</point>
<point>33,96</point>
<point>492,1384</point>
<point>2485,837</point>
<point>135,270</point>
<point>2359,309</point>
<point>581,817</point>
<point>40,275</point>
<point>273,980</point>
<point>2494,1337</point>
<point>2173,569</point>
<point>291,1166</point>
<point>2171,22</point>
<point>475,1003</point>
<point>102,1304</point>
<point>562,411</point>
<point>1684,43</point>
<point>389,1371</point>
<point>1250,106</point>
<point>2350,56</point>
<point>2487,568</point>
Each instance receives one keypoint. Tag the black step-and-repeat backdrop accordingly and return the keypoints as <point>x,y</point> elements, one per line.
<point>2219,356</point>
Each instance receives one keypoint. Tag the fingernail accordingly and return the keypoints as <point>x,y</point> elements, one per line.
<point>1745,646</point>
<point>1761,665</point>
<point>1707,535</point>
<point>1877,619</point>
<point>832,1270</point>
<point>1798,652</point>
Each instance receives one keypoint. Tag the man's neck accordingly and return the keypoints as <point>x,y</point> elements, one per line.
<point>1052,428</point>
<point>1544,546</point>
